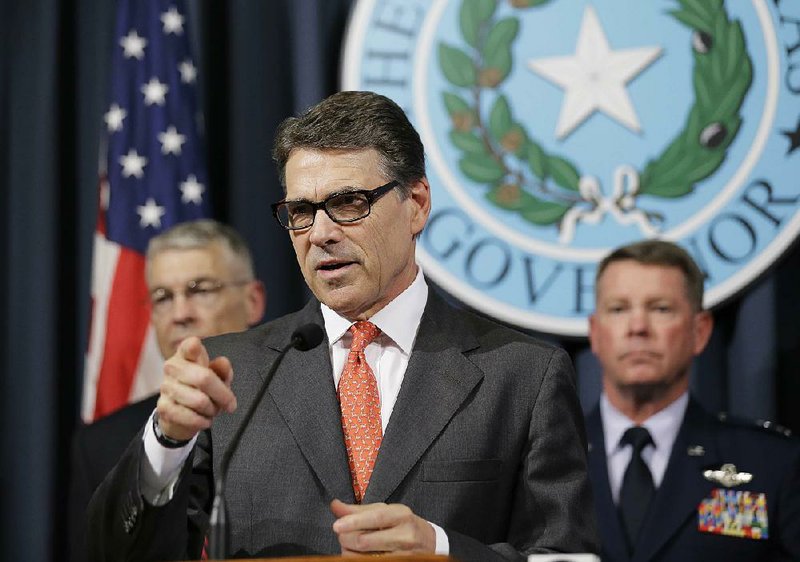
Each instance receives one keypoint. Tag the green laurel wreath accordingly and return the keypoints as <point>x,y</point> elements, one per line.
<point>497,150</point>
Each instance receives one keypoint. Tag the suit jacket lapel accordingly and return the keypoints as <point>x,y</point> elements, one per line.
<point>608,523</point>
<point>437,381</point>
<point>304,393</point>
<point>683,486</point>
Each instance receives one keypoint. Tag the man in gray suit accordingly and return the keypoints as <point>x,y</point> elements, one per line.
<point>414,428</point>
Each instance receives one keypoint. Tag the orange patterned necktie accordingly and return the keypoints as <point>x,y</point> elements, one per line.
<point>361,408</point>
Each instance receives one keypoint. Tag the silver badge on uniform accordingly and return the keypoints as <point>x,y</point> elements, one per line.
<point>728,476</point>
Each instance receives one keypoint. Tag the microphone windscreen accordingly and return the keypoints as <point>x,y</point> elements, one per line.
<point>307,337</point>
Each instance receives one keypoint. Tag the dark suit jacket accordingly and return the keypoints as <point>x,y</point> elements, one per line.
<point>486,439</point>
<point>96,448</point>
<point>670,532</point>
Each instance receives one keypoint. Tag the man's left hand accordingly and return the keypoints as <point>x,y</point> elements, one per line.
<point>380,527</point>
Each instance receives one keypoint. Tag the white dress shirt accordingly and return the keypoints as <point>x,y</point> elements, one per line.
<point>663,428</point>
<point>387,355</point>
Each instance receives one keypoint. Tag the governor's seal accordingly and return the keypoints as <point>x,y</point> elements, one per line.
<point>558,129</point>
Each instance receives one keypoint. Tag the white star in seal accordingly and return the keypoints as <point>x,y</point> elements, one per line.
<point>132,164</point>
<point>173,21</point>
<point>150,213</point>
<point>188,72</point>
<point>594,78</point>
<point>133,45</point>
<point>114,117</point>
<point>155,92</point>
<point>171,141</point>
<point>192,190</point>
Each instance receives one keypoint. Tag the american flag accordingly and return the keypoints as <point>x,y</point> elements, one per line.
<point>152,176</point>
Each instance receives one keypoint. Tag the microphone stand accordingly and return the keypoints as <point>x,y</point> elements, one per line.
<point>304,338</point>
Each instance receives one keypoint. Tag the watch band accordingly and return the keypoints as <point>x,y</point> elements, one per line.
<point>164,439</point>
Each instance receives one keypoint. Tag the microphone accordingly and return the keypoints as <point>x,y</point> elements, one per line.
<point>304,338</point>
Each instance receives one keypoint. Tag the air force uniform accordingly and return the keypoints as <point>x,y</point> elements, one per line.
<point>728,491</point>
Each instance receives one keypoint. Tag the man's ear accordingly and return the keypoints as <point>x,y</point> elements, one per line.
<point>703,326</point>
<point>421,198</point>
<point>256,302</point>
<point>592,328</point>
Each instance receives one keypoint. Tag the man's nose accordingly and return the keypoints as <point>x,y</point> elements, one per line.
<point>183,308</point>
<point>638,321</point>
<point>324,230</point>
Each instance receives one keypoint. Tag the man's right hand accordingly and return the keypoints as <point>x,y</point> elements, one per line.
<point>194,391</point>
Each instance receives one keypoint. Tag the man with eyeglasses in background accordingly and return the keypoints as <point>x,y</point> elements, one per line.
<point>414,428</point>
<point>201,283</point>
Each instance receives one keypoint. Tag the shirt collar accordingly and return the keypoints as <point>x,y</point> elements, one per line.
<point>663,425</point>
<point>394,319</point>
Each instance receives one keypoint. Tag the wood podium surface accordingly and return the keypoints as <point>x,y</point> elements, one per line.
<point>385,558</point>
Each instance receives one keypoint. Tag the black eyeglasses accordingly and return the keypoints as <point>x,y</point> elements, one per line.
<point>341,207</point>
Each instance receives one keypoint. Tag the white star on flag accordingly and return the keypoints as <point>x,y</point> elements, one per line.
<point>133,45</point>
<point>133,164</point>
<point>173,21</point>
<point>192,190</point>
<point>188,72</point>
<point>594,78</point>
<point>140,192</point>
<point>114,118</point>
<point>150,213</point>
<point>155,92</point>
<point>171,141</point>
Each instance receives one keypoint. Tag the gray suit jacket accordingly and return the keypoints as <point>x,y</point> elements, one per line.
<point>486,439</point>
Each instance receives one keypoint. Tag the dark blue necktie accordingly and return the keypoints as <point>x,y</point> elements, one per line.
<point>637,489</point>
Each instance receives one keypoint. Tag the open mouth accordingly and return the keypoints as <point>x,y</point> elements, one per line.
<point>333,266</point>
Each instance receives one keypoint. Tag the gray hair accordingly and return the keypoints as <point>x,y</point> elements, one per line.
<point>199,234</point>
<point>356,121</point>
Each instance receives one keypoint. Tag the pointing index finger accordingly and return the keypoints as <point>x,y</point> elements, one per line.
<point>224,398</point>
<point>191,349</point>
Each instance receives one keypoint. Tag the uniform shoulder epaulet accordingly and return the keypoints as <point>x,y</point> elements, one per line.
<point>765,425</point>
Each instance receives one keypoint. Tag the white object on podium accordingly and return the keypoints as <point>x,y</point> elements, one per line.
<point>563,558</point>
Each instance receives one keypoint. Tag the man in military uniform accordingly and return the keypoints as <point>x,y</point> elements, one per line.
<point>672,482</point>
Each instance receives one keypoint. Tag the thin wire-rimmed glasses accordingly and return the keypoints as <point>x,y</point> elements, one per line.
<point>202,292</point>
<point>342,207</point>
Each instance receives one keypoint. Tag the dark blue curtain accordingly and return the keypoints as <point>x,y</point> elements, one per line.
<point>38,241</point>
<point>260,62</point>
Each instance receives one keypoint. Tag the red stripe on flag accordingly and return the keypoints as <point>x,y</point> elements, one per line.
<point>126,326</point>
<point>102,206</point>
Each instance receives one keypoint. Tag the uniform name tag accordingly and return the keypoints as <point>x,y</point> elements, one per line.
<point>734,513</point>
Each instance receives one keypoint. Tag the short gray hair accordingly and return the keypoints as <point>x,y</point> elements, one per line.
<point>200,234</point>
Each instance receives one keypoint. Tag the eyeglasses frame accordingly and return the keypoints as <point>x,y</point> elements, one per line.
<point>218,287</point>
<point>371,195</point>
